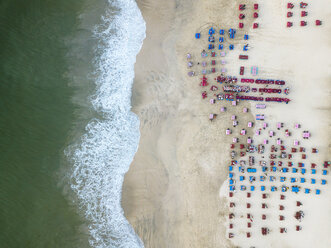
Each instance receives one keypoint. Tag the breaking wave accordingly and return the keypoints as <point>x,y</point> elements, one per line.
<point>104,153</point>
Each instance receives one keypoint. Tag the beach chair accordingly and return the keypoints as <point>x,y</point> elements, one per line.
<point>303,171</point>
<point>281,217</point>
<point>298,228</point>
<point>304,13</point>
<point>313,181</point>
<point>252,188</point>
<point>243,56</point>
<point>323,182</point>
<point>231,188</point>
<point>246,37</point>
<point>318,192</point>
<point>220,47</point>
<point>273,188</point>
<point>248,194</point>
<point>232,33</point>
<point>197,35</point>
<point>283,230</point>
<point>262,188</point>
<point>242,69</point>
<point>249,224</point>
<point>241,16</point>
<point>282,197</point>
<point>241,25</point>
<point>282,179</point>
<point>264,205</point>
<point>303,5</point>
<point>324,172</point>
<point>307,191</point>
<point>284,188</point>
<point>230,194</point>
<point>230,168</point>
<point>294,170</point>
<point>230,175</point>
<point>242,6</point>
<point>254,70</point>
<point>293,180</point>
<point>231,235</point>
<point>231,226</point>
<point>313,171</point>
<point>264,217</point>
<point>242,187</point>
<point>290,5</point>
<point>289,14</point>
<point>303,23</point>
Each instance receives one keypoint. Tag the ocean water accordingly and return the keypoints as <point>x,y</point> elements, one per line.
<point>67,133</point>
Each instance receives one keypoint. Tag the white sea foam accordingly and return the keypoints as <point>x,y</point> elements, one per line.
<point>106,150</point>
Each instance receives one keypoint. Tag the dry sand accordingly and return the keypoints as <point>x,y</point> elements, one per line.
<point>171,194</point>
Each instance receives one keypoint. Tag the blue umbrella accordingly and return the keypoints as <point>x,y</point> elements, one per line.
<point>302,180</point>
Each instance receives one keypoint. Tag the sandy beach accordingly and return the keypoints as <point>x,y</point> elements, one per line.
<point>176,191</point>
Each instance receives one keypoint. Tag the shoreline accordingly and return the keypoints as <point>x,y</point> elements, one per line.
<point>174,192</point>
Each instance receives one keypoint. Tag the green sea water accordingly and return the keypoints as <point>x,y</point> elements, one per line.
<point>36,117</point>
